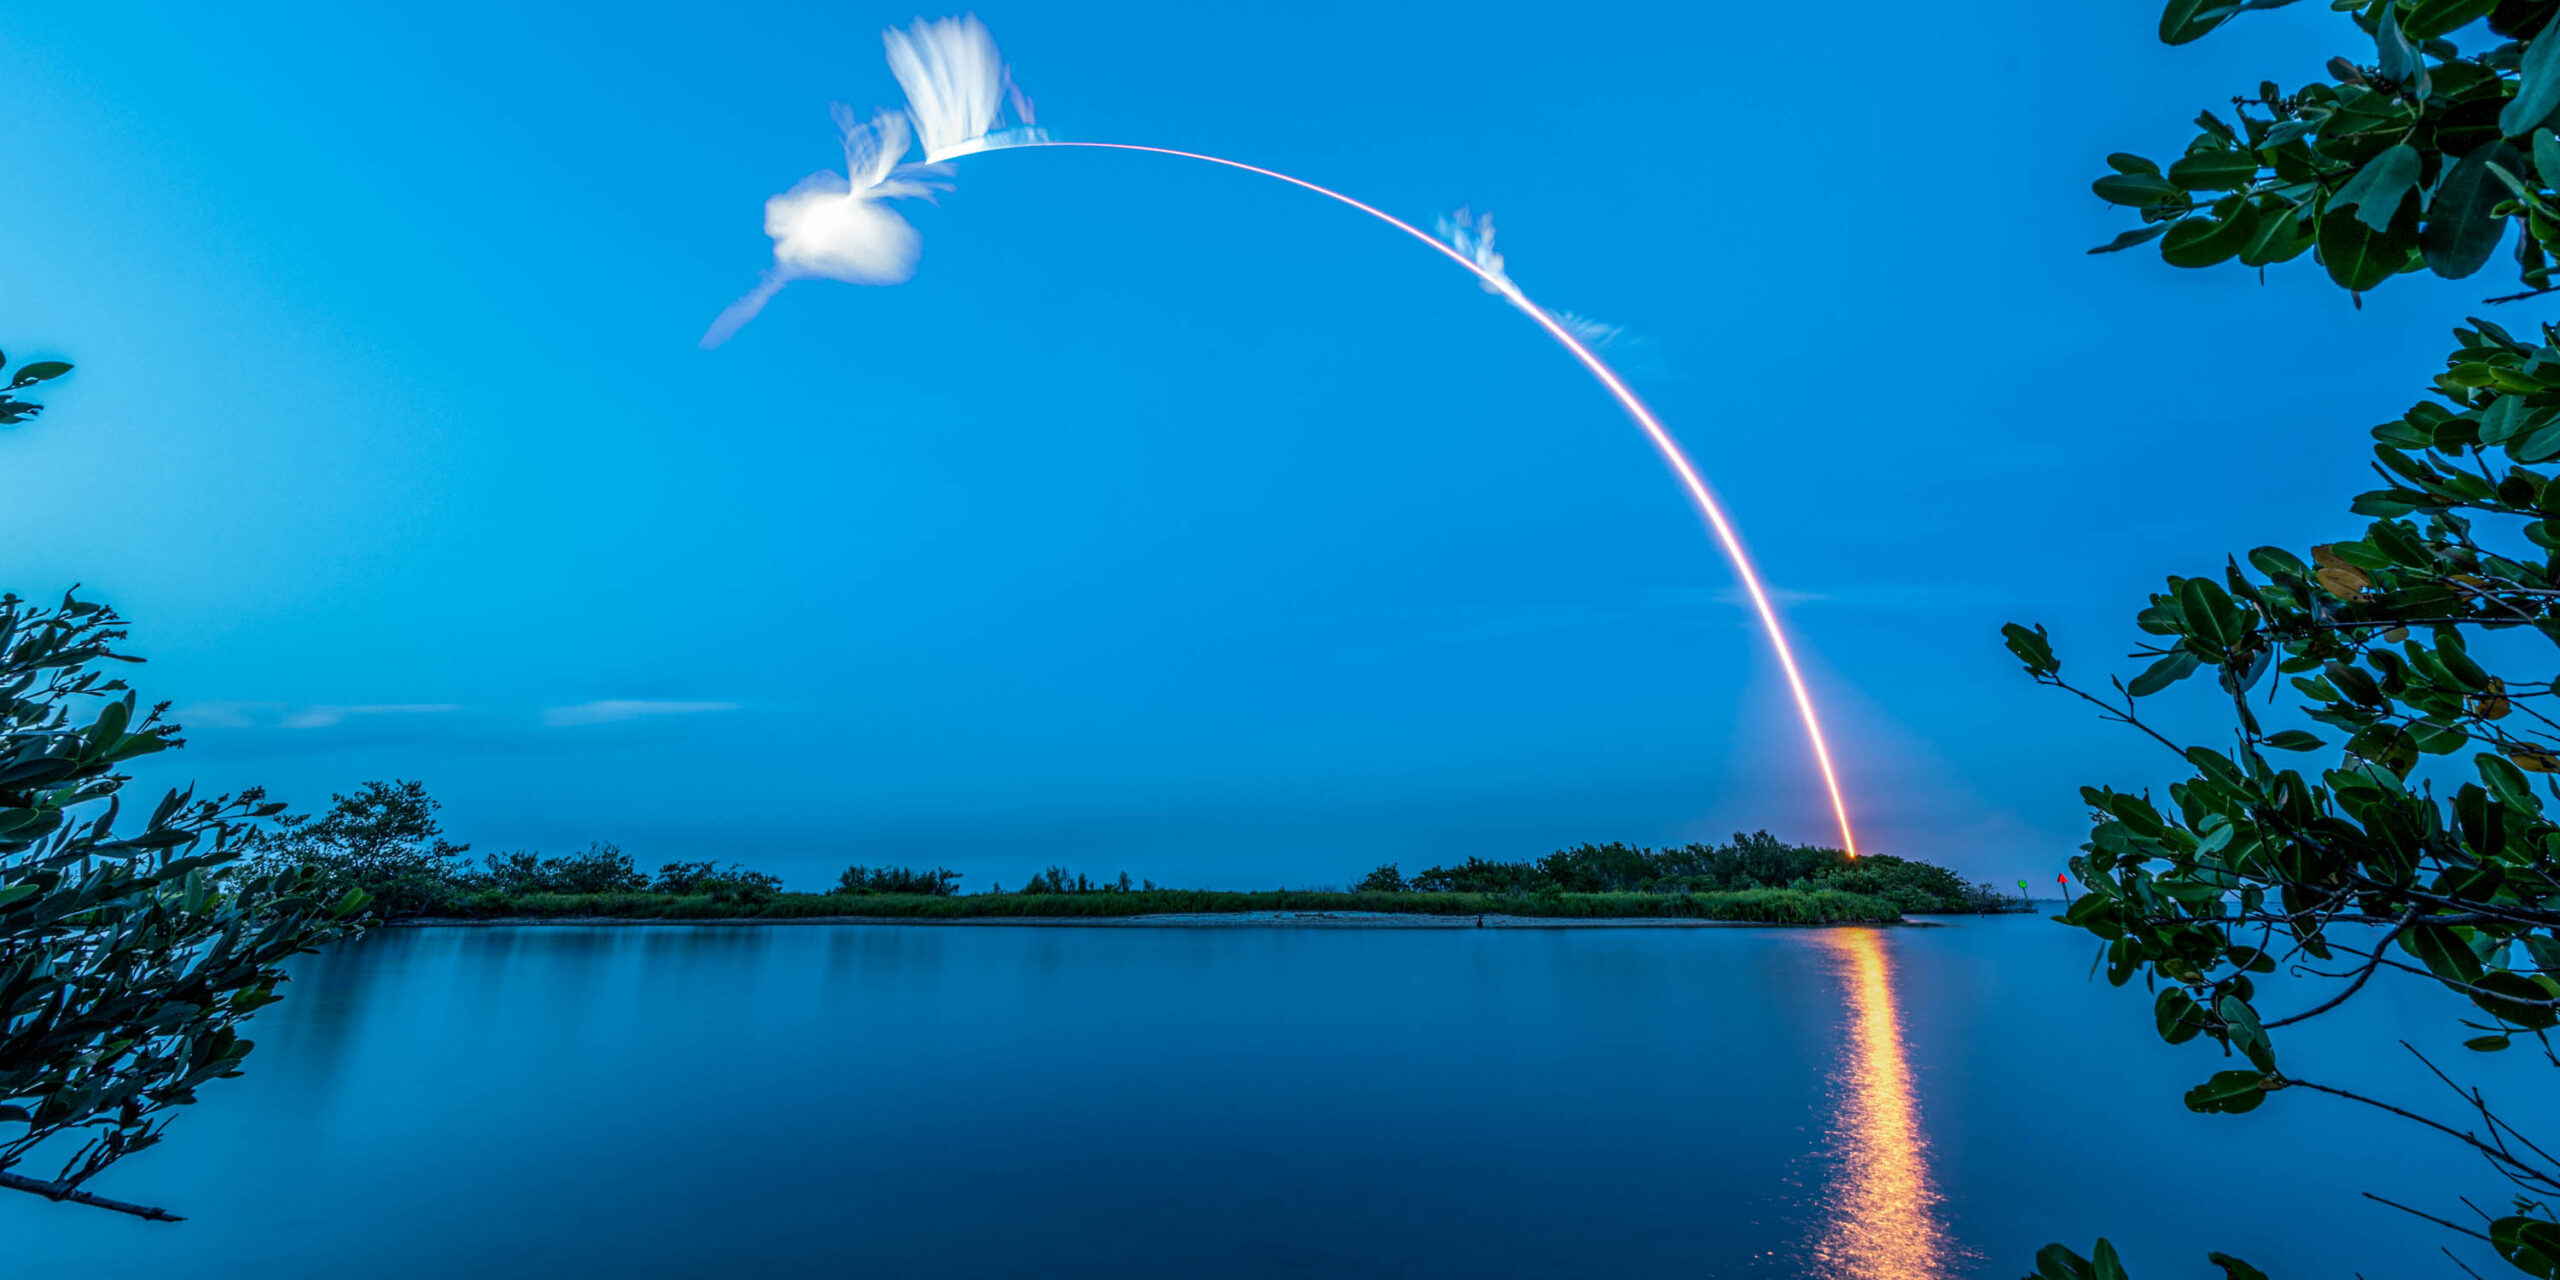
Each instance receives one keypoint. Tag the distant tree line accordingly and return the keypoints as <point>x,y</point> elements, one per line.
<point>1755,861</point>
<point>384,840</point>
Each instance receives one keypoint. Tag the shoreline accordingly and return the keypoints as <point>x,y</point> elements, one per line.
<point>1181,920</point>
<point>1197,908</point>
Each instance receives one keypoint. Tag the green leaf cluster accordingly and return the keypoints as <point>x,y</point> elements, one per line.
<point>2433,635</point>
<point>2403,823</point>
<point>2421,158</point>
<point>2373,638</point>
<point>2059,1263</point>
<point>2055,1262</point>
<point>14,410</point>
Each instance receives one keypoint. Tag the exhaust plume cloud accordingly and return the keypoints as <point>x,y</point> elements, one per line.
<point>1472,236</point>
<point>833,226</point>
<point>955,83</point>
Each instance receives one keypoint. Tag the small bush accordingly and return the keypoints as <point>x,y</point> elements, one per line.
<point>732,883</point>
<point>603,868</point>
<point>1060,880</point>
<point>383,840</point>
<point>1476,875</point>
<point>941,882</point>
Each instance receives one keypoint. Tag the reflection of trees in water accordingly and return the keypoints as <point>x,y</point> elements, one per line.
<point>1882,1218</point>
<point>304,1042</point>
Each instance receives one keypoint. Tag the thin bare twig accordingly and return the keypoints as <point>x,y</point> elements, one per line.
<point>2362,976</point>
<point>2125,716</point>
<point>2450,1226</point>
<point>2504,1161</point>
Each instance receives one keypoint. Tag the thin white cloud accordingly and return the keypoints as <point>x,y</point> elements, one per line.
<point>1692,597</point>
<point>322,716</point>
<point>282,715</point>
<point>611,710</point>
<point>1896,595</point>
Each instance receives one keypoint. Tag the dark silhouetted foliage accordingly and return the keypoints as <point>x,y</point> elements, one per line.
<point>1060,880</point>
<point>383,840</point>
<point>127,961</point>
<point>732,883</point>
<point>1755,861</point>
<point>937,883</point>
<point>603,868</point>
<point>1751,906</point>
<point>14,410</point>
<point>1386,879</point>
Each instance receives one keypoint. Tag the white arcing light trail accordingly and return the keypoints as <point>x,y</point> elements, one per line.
<point>831,227</point>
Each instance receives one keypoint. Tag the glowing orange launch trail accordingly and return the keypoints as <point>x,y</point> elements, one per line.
<point>1653,430</point>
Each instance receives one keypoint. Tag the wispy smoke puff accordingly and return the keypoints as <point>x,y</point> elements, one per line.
<point>1472,235</point>
<point>1595,333</point>
<point>955,83</point>
<point>834,226</point>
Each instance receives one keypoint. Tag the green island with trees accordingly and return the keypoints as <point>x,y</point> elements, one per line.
<point>384,842</point>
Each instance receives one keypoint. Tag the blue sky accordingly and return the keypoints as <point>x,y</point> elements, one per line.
<point>1168,520</point>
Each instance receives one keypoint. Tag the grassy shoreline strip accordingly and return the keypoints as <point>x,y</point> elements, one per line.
<point>1748,906</point>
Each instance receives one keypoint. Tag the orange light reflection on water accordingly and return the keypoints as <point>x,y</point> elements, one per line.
<point>1882,1217</point>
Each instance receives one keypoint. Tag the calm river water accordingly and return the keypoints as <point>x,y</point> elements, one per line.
<point>856,1101</point>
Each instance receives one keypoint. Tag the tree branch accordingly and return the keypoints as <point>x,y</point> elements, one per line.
<point>57,1191</point>
<point>2449,1226</point>
<point>2502,1160</point>
<point>2362,976</point>
<point>2125,716</point>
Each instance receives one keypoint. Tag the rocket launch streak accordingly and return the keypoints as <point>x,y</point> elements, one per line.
<point>1663,443</point>
<point>838,227</point>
